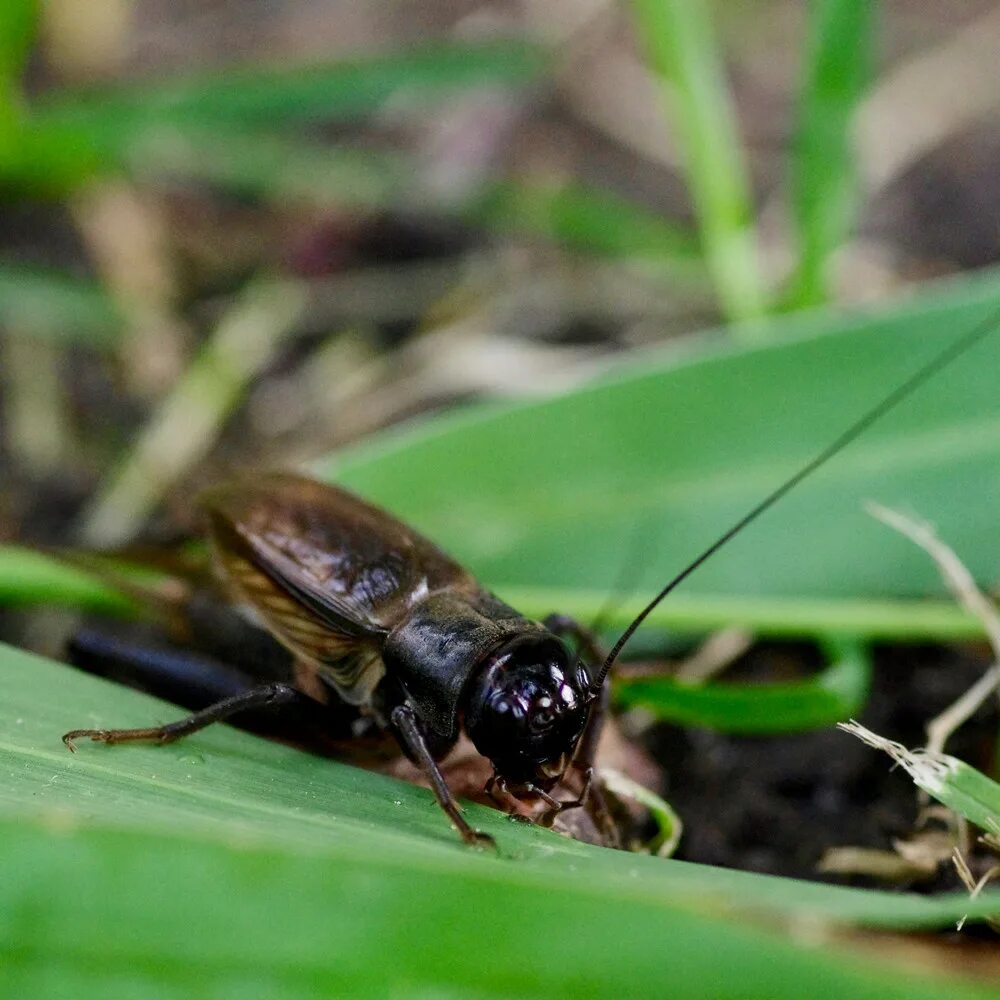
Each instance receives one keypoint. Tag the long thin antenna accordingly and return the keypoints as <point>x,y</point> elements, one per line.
<point>879,410</point>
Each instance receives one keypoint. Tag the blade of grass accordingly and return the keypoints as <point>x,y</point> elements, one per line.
<point>680,444</point>
<point>29,578</point>
<point>949,780</point>
<point>263,96</point>
<point>824,181</point>
<point>51,305</point>
<point>17,30</point>
<point>227,786</point>
<point>682,51</point>
<point>117,913</point>
<point>584,218</point>
<point>839,689</point>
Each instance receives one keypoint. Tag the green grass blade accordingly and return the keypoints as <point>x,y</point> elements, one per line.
<point>17,30</point>
<point>682,51</point>
<point>839,689</point>
<point>56,306</point>
<point>227,860</point>
<point>774,616</point>
<point>547,523</point>
<point>29,578</point>
<point>262,96</point>
<point>949,780</point>
<point>282,169</point>
<point>823,174</point>
<point>584,218</point>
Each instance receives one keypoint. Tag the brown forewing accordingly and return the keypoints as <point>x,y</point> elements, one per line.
<point>329,574</point>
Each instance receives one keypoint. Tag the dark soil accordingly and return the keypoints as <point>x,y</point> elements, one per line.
<point>776,804</point>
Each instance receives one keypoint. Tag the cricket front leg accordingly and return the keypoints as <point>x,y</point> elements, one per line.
<point>405,723</point>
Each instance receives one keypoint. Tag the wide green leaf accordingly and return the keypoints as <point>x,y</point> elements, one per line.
<point>680,443</point>
<point>227,863</point>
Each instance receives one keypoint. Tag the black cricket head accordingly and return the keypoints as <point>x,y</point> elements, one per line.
<point>527,708</point>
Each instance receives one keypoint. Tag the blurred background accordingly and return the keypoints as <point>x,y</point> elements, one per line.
<point>238,233</point>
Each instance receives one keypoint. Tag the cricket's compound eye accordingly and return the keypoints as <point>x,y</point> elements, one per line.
<point>527,708</point>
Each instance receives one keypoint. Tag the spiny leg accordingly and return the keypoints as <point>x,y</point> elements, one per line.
<point>404,720</point>
<point>265,696</point>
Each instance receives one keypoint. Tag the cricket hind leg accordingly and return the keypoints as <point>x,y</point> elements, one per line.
<point>267,696</point>
<point>130,655</point>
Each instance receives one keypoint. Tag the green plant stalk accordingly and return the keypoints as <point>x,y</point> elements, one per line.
<point>682,51</point>
<point>824,181</point>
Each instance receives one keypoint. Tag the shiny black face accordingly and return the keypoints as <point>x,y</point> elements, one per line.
<point>527,709</point>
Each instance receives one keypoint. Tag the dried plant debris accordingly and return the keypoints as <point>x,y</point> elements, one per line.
<point>970,795</point>
<point>960,582</point>
<point>952,782</point>
<point>974,885</point>
<point>914,859</point>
